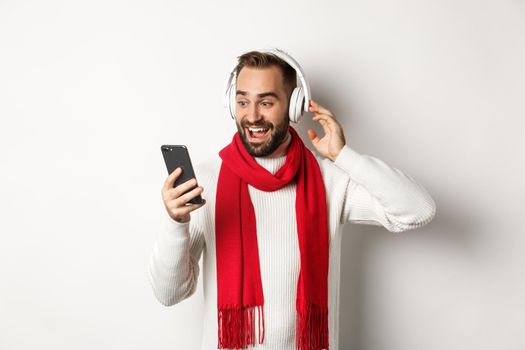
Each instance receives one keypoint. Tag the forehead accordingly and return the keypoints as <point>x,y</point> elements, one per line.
<point>258,80</point>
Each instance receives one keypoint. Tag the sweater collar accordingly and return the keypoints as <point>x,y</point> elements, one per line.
<point>271,164</point>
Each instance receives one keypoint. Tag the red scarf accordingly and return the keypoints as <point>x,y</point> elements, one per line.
<point>239,287</point>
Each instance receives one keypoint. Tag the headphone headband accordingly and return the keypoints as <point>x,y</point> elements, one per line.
<point>288,59</point>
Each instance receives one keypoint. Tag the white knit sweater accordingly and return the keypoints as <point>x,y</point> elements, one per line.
<point>359,188</point>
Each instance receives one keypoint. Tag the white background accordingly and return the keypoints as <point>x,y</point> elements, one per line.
<point>90,90</point>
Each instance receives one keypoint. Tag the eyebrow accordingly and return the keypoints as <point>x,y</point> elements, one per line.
<point>262,95</point>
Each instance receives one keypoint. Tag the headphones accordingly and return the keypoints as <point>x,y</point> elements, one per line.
<point>299,100</point>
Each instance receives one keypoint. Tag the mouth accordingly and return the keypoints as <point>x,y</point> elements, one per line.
<point>257,134</point>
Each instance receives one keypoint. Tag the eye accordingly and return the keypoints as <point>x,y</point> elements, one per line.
<point>266,104</point>
<point>242,103</point>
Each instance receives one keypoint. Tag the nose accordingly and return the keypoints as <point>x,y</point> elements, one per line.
<point>253,113</point>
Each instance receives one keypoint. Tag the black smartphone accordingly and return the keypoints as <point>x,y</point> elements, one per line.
<point>177,156</point>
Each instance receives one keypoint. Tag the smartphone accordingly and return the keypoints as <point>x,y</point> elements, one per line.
<point>177,156</point>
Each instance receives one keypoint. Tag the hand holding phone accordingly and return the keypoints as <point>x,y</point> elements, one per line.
<point>180,193</point>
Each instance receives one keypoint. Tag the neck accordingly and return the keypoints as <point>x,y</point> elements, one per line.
<point>281,150</point>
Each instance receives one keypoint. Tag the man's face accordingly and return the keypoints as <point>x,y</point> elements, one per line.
<point>261,110</point>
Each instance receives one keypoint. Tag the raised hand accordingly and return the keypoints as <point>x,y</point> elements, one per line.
<point>176,200</point>
<point>333,140</point>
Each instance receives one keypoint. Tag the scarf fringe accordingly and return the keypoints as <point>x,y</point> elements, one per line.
<point>237,327</point>
<point>312,328</point>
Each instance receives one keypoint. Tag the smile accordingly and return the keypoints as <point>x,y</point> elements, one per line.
<point>257,134</point>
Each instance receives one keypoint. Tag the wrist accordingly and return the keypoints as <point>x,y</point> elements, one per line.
<point>335,155</point>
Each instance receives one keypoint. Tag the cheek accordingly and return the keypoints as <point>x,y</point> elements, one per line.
<point>280,115</point>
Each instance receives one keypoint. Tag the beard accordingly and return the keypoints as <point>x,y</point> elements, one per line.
<point>277,136</point>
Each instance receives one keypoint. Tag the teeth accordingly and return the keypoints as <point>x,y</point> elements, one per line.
<point>257,129</point>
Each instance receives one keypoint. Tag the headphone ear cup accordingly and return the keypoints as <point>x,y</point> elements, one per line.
<point>296,105</point>
<point>232,100</point>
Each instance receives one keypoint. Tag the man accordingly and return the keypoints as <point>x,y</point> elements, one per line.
<point>270,229</point>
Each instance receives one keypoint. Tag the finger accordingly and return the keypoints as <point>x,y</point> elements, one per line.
<point>322,110</point>
<point>313,104</point>
<point>170,180</point>
<point>185,198</point>
<point>317,108</point>
<point>325,123</point>
<point>182,188</point>
<point>323,115</point>
<point>312,135</point>
<point>330,119</point>
<point>176,192</point>
<point>189,208</point>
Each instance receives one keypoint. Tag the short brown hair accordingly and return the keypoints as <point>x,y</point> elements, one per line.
<point>257,59</point>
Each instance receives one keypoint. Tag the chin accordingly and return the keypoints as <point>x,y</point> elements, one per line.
<point>263,149</point>
<point>275,136</point>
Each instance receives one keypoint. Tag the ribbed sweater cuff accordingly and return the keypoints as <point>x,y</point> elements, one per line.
<point>175,224</point>
<point>176,231</point>
<point>351,162</point>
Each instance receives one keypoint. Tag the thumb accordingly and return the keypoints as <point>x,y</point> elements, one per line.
<point>312,135</point>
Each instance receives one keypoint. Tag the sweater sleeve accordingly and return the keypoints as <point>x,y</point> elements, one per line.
<point>174,261</point>
<point>378,194</point>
